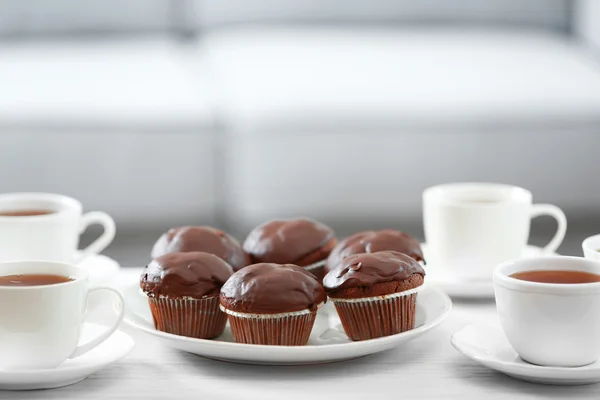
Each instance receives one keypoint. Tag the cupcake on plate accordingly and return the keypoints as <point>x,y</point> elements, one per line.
<point>183,293</point>
<point>301,241</point>
<point>375,294</point>
<point>374,241</point>
<point>272,304</point>
<point>205,239</point>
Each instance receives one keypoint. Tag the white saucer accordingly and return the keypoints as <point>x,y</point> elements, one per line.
<point>465,289</point>
<point>102,269</point>
<point>72,371</point>
<point>328,342</point>
<point>488,346</point>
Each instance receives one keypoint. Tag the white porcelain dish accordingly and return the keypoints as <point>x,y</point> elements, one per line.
<point>488,346</point>
<point>72,371</point>
<point>327,343</point>
<point>102,269</point>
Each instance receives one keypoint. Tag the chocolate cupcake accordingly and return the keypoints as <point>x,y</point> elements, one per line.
<point>183,293</point>
<point>272,304</point>
<point>204,239</point>
<point>302,241</point>
<point>375,294</point>
<point>374,241</point>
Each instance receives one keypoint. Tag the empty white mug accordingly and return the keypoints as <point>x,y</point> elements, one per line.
<point>53,236</point>
<point>40,325</point>
<point>472,227</point>
<point>550,324</point>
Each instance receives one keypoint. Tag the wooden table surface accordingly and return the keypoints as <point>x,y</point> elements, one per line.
<point>426,368</point>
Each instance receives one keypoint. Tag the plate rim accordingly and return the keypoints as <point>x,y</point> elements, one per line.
<point>106,274</point>
<point>525,370</point>
<point>307,348</point>
<point>5,374</point>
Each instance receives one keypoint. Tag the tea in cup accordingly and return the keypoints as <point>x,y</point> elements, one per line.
<point>549,309</point>
<point>42,308</point>
<point>46,226</point>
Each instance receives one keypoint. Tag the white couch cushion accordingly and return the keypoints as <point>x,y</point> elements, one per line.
<point>125,126</point>
<point>278,79</point>
<point>377,176</point>
<point>45,17</point>
<point>586,18</point>
<point>553,14</point>
<point>139,84</point>
<point>141,179</point>
<point>354,125</point>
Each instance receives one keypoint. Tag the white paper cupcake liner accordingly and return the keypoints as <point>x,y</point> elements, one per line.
<point>384,297</point>
<point>283,329</point>
<point>197,318</point>
<point>378,316</point>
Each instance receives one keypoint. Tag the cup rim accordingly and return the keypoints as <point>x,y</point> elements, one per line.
<point>518,194</point>
<point>70,204</point>
<point>80,274</point>
<point>501,277</point>
<point>586,244</point>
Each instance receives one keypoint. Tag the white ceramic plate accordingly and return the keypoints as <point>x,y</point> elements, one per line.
<point>465,289</point>
<point>102,269</point>
<point>72,371</point>
<point>328,342</point>
<point>487,345</point>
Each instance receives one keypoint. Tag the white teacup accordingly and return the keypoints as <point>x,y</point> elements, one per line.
<point>53,236</point>
<point>40,325</point>
<point>472,227</point>
<point>591,247</point>
<point>550,324</point>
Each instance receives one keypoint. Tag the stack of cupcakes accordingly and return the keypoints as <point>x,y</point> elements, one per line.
<point>271,288</point>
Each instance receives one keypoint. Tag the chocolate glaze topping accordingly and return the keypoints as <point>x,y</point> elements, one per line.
<point>368,269</point>
<point>192,274</point>
<point>205,239</point>
<point>287,241</point>
<point>268,288</point>
<point>374,241</point>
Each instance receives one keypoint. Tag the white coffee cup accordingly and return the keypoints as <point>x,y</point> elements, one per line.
<point>472,227</point>
<point>547,323</point>
<point>591,247</point>
<point>53,236</point>
<point>40,325</point>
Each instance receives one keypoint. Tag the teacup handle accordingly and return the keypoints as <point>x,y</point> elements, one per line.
<point>84,348</point>
<point>538,210</point>
<point>101,218</point>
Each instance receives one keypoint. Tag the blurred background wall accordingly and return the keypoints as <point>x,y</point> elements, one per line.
<point>230,112</point>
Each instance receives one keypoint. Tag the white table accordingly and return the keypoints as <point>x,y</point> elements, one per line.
<point>427,368</point>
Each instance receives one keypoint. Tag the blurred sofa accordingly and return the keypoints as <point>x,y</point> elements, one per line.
<point>341,111</point>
